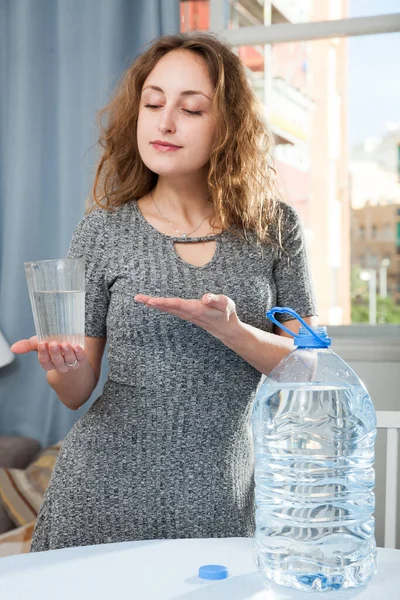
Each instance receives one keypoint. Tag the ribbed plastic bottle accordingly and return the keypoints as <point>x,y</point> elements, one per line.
<point>314,429</point>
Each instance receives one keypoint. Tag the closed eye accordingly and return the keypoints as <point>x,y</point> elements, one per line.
<point>189,112</point>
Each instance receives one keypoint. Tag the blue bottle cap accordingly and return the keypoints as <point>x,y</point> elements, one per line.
<point>213,572</point>
<point>308,336</point>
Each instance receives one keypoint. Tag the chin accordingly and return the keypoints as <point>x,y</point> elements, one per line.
<point>174,169</point>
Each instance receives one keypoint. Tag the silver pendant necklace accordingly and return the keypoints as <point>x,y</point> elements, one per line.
<point>182,234</point>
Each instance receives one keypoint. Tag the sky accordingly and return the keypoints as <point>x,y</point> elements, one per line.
<point>374,75</point>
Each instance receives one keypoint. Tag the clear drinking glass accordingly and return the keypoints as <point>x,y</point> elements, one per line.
<point>57,294</point>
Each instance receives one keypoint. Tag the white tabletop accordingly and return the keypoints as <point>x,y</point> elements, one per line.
<point>162,570</point>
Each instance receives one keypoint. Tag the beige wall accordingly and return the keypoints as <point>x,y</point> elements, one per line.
<point>329,202</point>
<point>343,193</point>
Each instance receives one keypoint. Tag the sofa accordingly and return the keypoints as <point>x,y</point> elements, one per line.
<point>25,471</point>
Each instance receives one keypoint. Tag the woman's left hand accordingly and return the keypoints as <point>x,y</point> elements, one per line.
<point>214,313</point>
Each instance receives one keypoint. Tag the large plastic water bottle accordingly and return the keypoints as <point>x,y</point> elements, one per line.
<point>314,428</point>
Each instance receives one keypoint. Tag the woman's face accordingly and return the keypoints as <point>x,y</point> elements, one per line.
<point>176,126</point>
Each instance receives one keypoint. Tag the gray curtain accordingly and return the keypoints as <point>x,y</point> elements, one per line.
<point>59,61</point>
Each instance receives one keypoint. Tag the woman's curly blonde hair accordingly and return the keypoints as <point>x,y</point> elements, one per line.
<point>241,177</point>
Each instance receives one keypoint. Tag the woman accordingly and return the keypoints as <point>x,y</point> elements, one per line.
<point>186,247</point>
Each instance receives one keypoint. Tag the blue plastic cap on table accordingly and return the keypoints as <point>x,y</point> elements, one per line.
<point>213,572</point>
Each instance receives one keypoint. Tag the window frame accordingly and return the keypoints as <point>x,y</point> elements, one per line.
<point>299,32</point>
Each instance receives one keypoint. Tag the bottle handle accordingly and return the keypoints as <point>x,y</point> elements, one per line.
<point>277,309</point>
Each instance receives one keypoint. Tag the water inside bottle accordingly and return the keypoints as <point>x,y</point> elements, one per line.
<point>314,479</point>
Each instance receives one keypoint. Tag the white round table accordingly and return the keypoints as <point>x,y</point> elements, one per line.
<point>165,569</point>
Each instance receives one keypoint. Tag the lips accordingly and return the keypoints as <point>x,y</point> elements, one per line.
<point>160,143</point>
<point>165,146</point>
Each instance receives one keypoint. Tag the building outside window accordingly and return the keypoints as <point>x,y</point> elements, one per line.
<point>336,153</point>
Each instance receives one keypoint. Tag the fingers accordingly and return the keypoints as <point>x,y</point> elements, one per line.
<point>142,298</point>
<point>69,355</point>
<point>24,346</point>
<point>62,358</point>
<point>44,357</point>
<point>220,302</point>
<point>209,298</point>
<point>53,356</point>
<point>190,309</point>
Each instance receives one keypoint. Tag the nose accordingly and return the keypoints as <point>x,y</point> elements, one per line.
<point>166,123</point>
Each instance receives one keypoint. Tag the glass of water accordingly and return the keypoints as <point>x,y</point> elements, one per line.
<point>57,294</point>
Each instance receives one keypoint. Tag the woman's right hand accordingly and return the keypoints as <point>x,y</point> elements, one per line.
<point>53,356</point>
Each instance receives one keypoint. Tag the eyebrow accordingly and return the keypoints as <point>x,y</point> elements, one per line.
<point>184,93</point>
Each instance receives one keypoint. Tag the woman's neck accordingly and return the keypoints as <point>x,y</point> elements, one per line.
<point>182,199</point>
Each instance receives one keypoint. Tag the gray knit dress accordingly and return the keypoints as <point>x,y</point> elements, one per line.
<point>166,450</point>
